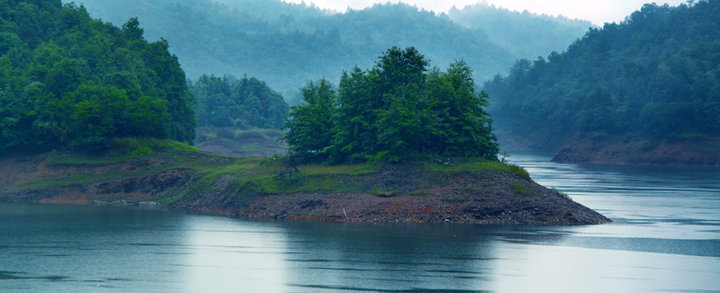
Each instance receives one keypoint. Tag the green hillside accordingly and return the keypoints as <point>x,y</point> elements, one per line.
<point>69,81</point>
<point>656,75</point>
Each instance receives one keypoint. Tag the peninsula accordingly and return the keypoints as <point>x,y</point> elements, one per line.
<point>173,175</point>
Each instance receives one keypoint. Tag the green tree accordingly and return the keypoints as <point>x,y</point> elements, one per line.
<point>98,113</point>
<point>310,124</point>
<point>355,135</point>
<point>462,127</point>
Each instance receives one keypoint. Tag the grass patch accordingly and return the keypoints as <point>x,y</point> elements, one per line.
<point>498,166</point>
<point>381,192</point>
<point>141,146</point>
<point>456,199</point>
<point>474,165</point>
<point>521,188</point>
<point>354,169</point>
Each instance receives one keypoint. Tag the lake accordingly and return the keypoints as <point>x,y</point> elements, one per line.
<point>665,238</point>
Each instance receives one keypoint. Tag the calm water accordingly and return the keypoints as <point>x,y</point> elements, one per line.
<point>665,238</point>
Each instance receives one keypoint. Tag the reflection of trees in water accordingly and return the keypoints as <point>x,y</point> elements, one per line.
<point>397,257</point>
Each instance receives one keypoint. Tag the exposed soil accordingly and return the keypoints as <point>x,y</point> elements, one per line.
<point>489,197</point>
<point>459,202</point>
<point>639,152</point>
<point>242,148</point>
<point>222,141</point>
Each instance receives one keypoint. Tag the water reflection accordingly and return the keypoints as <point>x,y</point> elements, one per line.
<point>401,257</point>
<point>389,257</point>
<point>225,253</point>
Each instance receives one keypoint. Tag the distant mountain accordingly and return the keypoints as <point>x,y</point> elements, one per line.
<point>288,44</point>
<point>524,34</point>
<point>655,76</point>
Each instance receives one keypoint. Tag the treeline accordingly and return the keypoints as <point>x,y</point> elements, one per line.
<point>67,80</point>
<point>394,111</point>
<point>655,75</point>
<point>284,44</point>
<point>240,103</point>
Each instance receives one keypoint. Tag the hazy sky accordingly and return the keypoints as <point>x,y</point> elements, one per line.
<point>597,11</point>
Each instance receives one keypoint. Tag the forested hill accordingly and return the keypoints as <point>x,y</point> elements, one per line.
<point>288,44</point>
<point>244,103</point>
<point>656,75</point>
<point>67,80</point>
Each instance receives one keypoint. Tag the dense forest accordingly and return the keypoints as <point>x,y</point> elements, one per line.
<point>394,111</point>
<point>656,75</point>
<point>240,103</point>
<point>67,80</point>
<point>287,44</point>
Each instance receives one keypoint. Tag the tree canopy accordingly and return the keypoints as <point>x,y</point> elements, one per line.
<point>394,111</point>
<point>656,75</point>
<point>244,103</point>
<point>67,80</point>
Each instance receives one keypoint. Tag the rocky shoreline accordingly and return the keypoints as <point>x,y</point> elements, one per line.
<point>642,152</point>
<point>408,195</point>
<point>465,198</point>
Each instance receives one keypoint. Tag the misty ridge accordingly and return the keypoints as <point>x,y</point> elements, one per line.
<point>288,45</point>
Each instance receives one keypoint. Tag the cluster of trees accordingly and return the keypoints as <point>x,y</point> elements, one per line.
<point>655,75</point>
<point>394,111</point>
<point>67,80</point>
<point>244,103</point>
<point>255,37</point>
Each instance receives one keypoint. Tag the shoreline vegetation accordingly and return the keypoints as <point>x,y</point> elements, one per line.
<point>177,176</point>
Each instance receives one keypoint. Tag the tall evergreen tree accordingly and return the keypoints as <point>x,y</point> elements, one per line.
<point>310,124</point>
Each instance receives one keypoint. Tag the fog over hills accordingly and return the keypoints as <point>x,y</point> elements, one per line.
<point>287,45</point>
<point>524,34</point>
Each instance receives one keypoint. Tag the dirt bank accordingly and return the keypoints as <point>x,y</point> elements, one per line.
<point>641,152</point>
<point>488,198</point>
<point>392,193</point>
